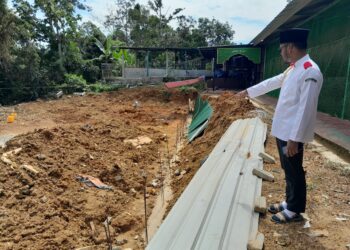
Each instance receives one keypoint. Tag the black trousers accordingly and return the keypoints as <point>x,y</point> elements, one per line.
<point>295,177</point>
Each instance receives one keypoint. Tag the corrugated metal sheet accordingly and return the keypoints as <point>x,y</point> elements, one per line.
<point>216,210</point>
<point>202,113</point>
<point>196,132</point>
<point>176,84</point>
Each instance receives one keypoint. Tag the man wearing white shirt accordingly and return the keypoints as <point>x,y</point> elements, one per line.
<point>294,119</point>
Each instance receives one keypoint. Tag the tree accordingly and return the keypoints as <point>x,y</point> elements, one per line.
<point>163,20</point>
<point>86,39</point>
<point>215,32</point>
<point>187,33</point>
<point>139,24</point>
<point>118,20</point>
<point>59,20</point>
<point>7,33</point>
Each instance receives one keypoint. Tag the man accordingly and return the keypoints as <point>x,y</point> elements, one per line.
<point>294,119</point>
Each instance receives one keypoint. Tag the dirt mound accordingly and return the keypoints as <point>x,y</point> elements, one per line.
<point>53,208</point>
<point>227,108</point>
<point>157,93</point>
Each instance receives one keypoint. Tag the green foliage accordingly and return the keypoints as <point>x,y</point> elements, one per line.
<point>42,47</point>
<point>108,50</point>
<point>73,83</point>
<point>74,80</point>
<point>119,20</point>
<point>100,87</point>
<point>7,33</point>
<point>149,26</point>
<point>91,72</point>
<point>73,58</point>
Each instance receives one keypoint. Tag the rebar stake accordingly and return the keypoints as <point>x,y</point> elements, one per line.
<point>144,175</point>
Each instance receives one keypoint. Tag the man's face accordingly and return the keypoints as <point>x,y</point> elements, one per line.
<point>285,49</point>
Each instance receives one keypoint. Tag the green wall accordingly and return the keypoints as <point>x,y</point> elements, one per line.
<point>329,47</point>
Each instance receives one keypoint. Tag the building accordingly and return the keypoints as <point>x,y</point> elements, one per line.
<point>329,46</point>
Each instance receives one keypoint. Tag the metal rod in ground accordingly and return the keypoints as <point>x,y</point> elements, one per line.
<point>169,159</point>
<point>177,136</point>
<point>161,177</point>
<point>108,235</point>
<point>144,175</point>
<point>181,133</point>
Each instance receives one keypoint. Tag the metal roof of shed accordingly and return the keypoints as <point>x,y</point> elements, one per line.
<point>293,15</point>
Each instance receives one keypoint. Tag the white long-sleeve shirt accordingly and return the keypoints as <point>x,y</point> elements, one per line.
<point>295,114</point>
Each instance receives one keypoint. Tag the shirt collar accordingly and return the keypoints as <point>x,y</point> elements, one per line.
<point>301,61</point>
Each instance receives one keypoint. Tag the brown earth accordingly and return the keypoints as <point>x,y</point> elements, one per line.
<point>85,135</point>
<point>227,109</point>
<point>328,198</point>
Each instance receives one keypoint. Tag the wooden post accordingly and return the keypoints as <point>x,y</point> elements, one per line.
<point>144,175</point>
<point>167,64</point>
<point>147,63</point>
<point>213,72</point>
<point>186,61</point>
<point>123,66</point>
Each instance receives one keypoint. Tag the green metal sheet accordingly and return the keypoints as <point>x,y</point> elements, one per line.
<point>196,132</point>
<point>224,54</point>
<point>202,113</point>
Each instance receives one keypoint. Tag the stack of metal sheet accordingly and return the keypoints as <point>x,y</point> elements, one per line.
<point>216,210</point>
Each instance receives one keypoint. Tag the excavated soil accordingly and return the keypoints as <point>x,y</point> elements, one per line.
<point>227,108</point>
<point>87,135</point>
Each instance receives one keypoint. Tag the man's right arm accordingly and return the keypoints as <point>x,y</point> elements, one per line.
<point>263,87</point>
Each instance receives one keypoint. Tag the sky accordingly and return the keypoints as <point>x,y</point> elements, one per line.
<point>247,17</point>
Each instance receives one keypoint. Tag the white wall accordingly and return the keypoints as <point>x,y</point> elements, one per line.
<point>142,72</point>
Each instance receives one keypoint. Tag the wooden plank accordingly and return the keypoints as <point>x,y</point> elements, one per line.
<point>260,205</point>
<point>263,174</point>
<point>30,169</point>
<point>267,158</point>
<point>257,243</point>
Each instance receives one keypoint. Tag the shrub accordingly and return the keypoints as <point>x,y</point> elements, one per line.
<point>99,87</point>
<point>91,72</point>
<point>73,83</point>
